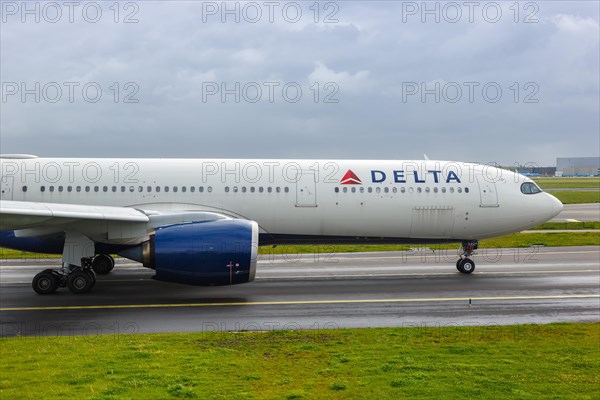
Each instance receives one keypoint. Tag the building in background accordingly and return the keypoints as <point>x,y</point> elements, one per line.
<point>577,166</point>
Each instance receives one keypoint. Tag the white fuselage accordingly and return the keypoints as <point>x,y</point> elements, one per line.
<point>436,200</point>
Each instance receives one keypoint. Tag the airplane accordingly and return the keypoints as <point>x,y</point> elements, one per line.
<point>200,221</point>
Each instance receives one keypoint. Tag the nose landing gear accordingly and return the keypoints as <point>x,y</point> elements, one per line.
<point>464,263</point>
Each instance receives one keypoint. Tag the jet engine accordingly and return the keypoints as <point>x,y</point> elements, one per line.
<point>220,252</point>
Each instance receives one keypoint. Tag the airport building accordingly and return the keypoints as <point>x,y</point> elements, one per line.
<point>577,166</point>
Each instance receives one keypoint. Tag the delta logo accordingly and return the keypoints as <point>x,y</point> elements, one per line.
<point>401,176</point>
<point>350,178</point>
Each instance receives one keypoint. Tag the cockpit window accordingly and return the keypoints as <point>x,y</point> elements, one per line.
<point>530,188</point>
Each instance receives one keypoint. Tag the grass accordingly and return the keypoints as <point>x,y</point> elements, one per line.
<point>573,197</point>
<point>556,361</point>
<point>565,183</point>
<point>549,239</point>
<point>568,225</point>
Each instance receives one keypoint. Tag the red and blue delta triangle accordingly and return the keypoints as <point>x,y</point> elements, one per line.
<point>350,178</point>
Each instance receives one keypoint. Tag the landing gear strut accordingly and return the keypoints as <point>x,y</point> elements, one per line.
<point>464,263</point>
<point>77,279</point>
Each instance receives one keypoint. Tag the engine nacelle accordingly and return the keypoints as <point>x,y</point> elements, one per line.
<point>220,252</point>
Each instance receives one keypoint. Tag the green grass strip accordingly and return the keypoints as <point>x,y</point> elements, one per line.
<point>556,361</point>
<point>569,197</point>
<point>568,225</point>
<point>549,239</point>
<point>565,183</point>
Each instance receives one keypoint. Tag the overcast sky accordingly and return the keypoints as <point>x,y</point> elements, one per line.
<point>486,82</point>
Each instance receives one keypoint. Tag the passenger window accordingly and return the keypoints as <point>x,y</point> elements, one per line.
<point>466,190</point>
<point>192,189</point>
<point>140,189</point>
<point>158,189</point>
<point>69,188</point>
<point>411,189</point>
<point>114,189</point>
<point>166,189</point>
<point>459,190</point>
<point>105,189</point>
<point>24,189</point>
<point>226,189</point>
<point>435,190</point>
<point>353,189</point>
<point>345,189</point>
<point>252,189</point>
<point>378,190</point>
<point>269,189</point>
<point>201,189</point>
<point>370,190</point>
<point>175,189</point>
<point>403,189</point>
<point>235,189</point>
<point>451,190</point>
<point>78,189</point>
<point>96,188</point>
<point>243,189</point>
<point>42,188</point>
<point>427,189</point>
<point>183,189</point>
<point>419,190</point>
<point>60,188</point>
<point>122,189</point>
<point>387,189</point>
<point>337,190</point>
<point>362,189</point>
<point>278,189</point>
<point>260,189</point>
<point>131,189</point>
<point>443,190</point>
<point>287,189</point>
<point>87,189</point>
<point>209,189</point>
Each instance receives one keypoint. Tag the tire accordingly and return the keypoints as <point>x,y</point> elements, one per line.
<point>92,275</point>
<point>80,281</point>
<point>103,264</point>
<point>46,282</point>
<point>466,266</point>
<point>458,264</point>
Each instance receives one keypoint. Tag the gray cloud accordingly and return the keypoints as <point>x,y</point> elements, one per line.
<point>373,55</point>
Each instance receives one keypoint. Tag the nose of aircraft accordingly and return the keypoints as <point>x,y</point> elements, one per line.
<point>554,206</point>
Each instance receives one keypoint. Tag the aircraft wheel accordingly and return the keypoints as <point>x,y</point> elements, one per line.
<point>92,275</point>
<point>103,264</point>
<point>457,263</point>
<point>46,282</point>
<point>80,281</point>
<point>466,266</point>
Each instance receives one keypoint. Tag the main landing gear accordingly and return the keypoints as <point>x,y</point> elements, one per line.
<point>464,263</point>
<point>77,279</point>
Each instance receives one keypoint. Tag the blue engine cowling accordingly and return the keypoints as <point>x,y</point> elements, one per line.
<point>221,252</point>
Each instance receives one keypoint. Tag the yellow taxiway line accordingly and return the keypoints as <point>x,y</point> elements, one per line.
<point>302,302</point>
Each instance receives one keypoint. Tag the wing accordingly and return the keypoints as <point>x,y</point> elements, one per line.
<point>16,215</point>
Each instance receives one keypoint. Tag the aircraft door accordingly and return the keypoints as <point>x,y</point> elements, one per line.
<point>487,192</point>
<point>7,187</point>
<point>306,189</point>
